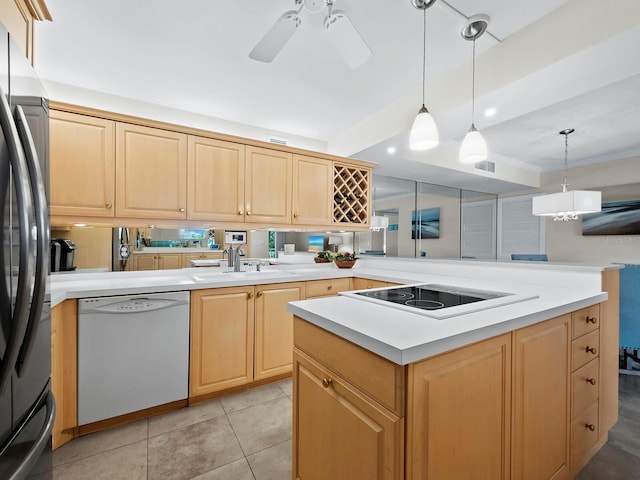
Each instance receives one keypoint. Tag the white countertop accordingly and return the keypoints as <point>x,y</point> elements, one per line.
<point>397,335</point>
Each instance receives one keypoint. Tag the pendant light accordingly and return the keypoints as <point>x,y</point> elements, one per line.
<point>567,205</point>
<point>424,132</point>
<point>474,148</point>
<point>377,222</point>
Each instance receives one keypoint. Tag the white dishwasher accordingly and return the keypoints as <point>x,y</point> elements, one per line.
<point>133,353</point>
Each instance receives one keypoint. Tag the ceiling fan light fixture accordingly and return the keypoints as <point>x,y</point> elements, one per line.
<point>474,148</point>
<point>277,37</point>
<point>347,40</point>
<point>424,132</point>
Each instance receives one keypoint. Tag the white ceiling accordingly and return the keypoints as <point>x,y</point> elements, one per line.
<point>533,66</point>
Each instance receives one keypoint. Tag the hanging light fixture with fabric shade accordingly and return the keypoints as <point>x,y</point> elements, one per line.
<point>424,132</point>
<point>377,222</point>
<point>474,148</point>
<point>567,205</point>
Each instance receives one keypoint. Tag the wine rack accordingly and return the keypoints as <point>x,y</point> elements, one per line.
<point>351,194</point>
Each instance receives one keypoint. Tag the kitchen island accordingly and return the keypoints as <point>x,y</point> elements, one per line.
<point>375,386</point>
<point>522,390</point>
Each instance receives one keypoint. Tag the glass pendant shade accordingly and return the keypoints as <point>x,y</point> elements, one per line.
<point>474,148</point>
<point>424,132</point>
<point>567,205</point>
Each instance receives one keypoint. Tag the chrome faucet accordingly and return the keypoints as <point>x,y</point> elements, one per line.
<point>236,261</point>
<point>229,252</point>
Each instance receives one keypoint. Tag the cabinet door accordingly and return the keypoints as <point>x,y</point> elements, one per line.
<point>82,165</point>
<point>169,261</point>
<point>145,261</point>
<point>541,400</point>
<point>338,432</point>
<point>274,328</point>
<point>267,186</point>
<point>151,172</point>
<point>312,191</point>
<point>215,174</point>
<point>221,353</point>
<point>64,362</point>
<point>459,412</point>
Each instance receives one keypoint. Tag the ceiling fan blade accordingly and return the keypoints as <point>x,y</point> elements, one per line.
<point>276,38</point>
<point>348,41</point>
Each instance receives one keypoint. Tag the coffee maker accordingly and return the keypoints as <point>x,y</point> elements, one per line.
<point>62,251</point>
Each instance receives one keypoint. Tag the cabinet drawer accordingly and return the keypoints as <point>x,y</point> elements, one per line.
<point>381,379</point>
<point>585,320</point>
<point>366,283</point>
<point>324,288</point>
<point>584,349</point>
<point>585,383</point>
<point>584,435</point>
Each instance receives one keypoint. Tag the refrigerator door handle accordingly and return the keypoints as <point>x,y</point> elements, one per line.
<point>42,237</point>
<point>23,293</point>
<point>31,457</point>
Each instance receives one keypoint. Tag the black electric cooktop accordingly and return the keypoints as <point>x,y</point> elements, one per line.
<point>430,296</point>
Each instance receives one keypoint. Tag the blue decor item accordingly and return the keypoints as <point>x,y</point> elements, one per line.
<point>425,223</point>
<point>630,307</point>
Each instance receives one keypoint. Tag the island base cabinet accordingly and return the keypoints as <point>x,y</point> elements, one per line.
<point>458,413</point>
<point>338,432</point>
<point>541,404</point>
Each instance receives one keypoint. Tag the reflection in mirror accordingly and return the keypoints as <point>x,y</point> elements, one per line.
<point>430,221</point>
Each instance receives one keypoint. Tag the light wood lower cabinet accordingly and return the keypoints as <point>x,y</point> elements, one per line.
<point>221,339</point>
<point>187,257</point>
<point>459,413</point>
<point>64,367</point>
<point>339,432</point>
<point>274,328</point>
<point>522,405</point>
<point>240,335</point>
<point>366,283</point>
<point>541,407</point>
<point>327,288</point>
<point>157,261</point>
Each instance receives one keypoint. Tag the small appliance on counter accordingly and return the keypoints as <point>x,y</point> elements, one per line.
<point>62,252</point>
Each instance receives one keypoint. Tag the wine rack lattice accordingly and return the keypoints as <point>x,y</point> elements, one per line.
<point>350,194</point>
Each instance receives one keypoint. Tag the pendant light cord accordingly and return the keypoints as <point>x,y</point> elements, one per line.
<point>566,161</point>
<point>473,85</point>
<point>424,51</point>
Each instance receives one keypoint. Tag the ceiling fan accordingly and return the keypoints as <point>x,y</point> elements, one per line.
<point>349,43</point>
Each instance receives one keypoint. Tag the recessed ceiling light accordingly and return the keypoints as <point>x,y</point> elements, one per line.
<point>79,224</point>
<point>490,112</point>
<point>391,150</point>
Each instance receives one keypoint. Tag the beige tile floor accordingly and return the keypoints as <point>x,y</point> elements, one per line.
<point>246,436</point>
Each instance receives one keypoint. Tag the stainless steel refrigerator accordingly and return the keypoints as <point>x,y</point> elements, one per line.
<point>27,407</point>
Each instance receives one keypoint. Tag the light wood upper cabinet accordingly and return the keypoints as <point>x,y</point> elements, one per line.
<point>222,327</point>
<point>268,176</point>
<point>82,165</point>
<point>541,400</point>
<point>215,180</point>
<point>151,172</point>
<point>459,413</point>
<point>274,328</point>
<point>312,191</point>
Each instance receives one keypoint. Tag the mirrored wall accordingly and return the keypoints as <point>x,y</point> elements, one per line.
<point>431,221</point>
